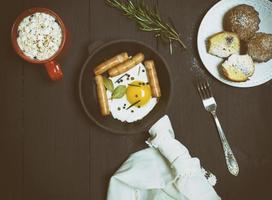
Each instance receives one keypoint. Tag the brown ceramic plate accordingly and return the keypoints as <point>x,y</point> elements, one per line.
<point>87,86</point>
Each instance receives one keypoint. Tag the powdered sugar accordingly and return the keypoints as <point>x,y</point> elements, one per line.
<point>242,20</point>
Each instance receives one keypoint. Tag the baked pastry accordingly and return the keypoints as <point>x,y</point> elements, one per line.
<point>224,44</point>
<point>260,47</point>
<point>243,20</point>
<point>238,68</point>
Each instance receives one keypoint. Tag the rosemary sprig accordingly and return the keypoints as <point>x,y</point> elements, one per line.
<point>148,19</point>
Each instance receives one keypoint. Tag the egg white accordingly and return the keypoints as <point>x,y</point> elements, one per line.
<point>126,115</point>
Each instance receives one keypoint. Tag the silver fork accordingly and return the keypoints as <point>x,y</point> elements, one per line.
<point>210,106</point>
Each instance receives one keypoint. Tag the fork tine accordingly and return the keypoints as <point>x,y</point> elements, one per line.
<point>204,90</point>
<point>209,90</point>
<point>200,90</point>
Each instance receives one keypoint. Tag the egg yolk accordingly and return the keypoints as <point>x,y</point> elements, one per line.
<point>138,91</point>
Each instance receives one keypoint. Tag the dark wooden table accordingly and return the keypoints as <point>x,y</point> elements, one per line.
<point>49,150</point>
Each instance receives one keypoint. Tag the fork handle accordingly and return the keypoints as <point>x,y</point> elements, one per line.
<point>229,156</point>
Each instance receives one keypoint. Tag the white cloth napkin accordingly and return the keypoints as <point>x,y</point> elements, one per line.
<point>165,171</point>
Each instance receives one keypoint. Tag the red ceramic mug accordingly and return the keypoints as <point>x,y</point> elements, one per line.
<point>53,68</point>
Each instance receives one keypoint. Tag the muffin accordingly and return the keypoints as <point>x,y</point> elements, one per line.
<point>238,68</point>
<point>224,44</point>
<point>260,47</point>
<point>243,20</point>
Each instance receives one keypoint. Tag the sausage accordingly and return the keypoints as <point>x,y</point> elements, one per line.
<point>102,96</point>
<point>105,66</point>
<point>127,65</point>
<point>153,78</point>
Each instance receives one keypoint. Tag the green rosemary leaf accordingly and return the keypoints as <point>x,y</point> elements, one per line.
<point>148,19</point>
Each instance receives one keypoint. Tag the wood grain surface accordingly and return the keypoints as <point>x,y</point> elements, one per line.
<point>49,150</point>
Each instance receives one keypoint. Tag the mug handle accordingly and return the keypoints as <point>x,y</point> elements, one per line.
<point>54,70</point>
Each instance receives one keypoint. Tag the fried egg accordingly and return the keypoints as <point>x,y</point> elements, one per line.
<point>138,101</point>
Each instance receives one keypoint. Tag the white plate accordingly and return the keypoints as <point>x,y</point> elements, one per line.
<point>213,23</point>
